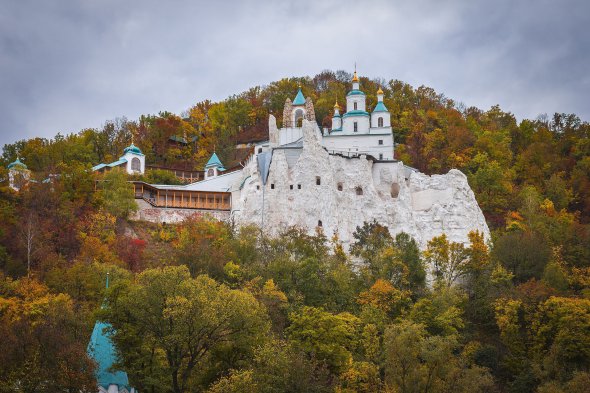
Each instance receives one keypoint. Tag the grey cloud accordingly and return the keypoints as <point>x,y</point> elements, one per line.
<point>67,65</point>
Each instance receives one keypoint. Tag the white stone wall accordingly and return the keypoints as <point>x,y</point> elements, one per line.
<point>288,135</point>
<point>397,197</point>
<point>159,215</point>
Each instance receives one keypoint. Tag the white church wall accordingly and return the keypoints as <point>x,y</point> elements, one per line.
<point>375,120</point>
<point>368,144</point>
<point>360,101</point>
<point>362,125</point>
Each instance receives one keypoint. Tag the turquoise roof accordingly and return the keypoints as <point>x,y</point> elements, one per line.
<point>299,99</point>
<point>356,113</point>
<point>380,107</point>
<point>132,149</point>
<point>18,164</point>
<point>355,93</point>
<point>336,115</point>
<point>101,349</point>
<point>120,161</point>
<point>214,161</point>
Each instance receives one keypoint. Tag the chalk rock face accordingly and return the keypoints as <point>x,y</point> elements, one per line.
<point>308,187</point>
<point>273,132</point>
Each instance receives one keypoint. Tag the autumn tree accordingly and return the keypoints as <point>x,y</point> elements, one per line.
<point>43,346</point>
<point>117,194</point>
<point>325,336</point>
<point>171,328</point>
<point>418,362</point>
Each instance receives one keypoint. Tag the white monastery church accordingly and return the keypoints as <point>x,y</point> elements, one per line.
<point>335,178</point>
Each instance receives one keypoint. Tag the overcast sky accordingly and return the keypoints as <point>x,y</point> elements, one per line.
<point>67,65</point>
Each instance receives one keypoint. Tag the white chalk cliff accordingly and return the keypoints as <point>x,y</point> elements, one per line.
<point>352,191</point>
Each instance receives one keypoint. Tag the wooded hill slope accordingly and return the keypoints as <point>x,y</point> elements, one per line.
<point>201,306</point>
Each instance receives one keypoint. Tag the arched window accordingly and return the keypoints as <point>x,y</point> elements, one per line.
<point>355,106</point>
<point>320,223</point>
<point>298,118</point>
<point>135,165</point>
<point>355,126</point>
<point>359,191</point>
<point>339,186</point>
<point>380,122</point>
<point>259,150</point>
<point>210,172</point>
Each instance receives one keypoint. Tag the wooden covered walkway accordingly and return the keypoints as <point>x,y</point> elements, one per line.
<point>185,199</point>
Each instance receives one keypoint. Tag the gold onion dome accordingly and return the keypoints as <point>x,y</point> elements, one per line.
<point>379,91</point>
<point>336,106</point>
<point>355,78</point>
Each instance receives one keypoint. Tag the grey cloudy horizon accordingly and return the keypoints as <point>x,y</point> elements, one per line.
<point>69,65</point>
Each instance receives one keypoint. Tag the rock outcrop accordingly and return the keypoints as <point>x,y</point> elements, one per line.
<point>340,193</point>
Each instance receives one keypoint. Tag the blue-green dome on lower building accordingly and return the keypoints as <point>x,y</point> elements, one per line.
<point>356,113</point>
<point>214,161</point>
<point>132,149</point>
<point>17,165</point>
<point>299,99</point>
<point>380,107</point>
<point>101,349</point>
<point>355,93</point>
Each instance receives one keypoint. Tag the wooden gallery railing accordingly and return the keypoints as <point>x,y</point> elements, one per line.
<point>184,199</point>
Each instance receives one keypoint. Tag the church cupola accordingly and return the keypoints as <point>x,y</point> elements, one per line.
<point>299,98</point>
<point>380,115</point>
<point>18,174</point>
<point>355,99</point>
<point>213,167</point>
<point>294,112</point>
<point>133,159</point>
<point>299,111</point>
<point>380,95</point>
<point>336,119</point>
<point>355,81</point>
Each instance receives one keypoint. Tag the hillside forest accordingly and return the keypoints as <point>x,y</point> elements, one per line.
<point>203,306</point>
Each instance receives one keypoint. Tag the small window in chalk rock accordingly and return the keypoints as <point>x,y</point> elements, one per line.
<point>260,150</point>
<point>272,186</point>
<point>319,223</point>
<point>318,181</point>
<point>258,187</point>
<point>394,190</point>
<point>339,186</point>
<point>299,186</point>
<point>359,191</point>
<point>291,186</point>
